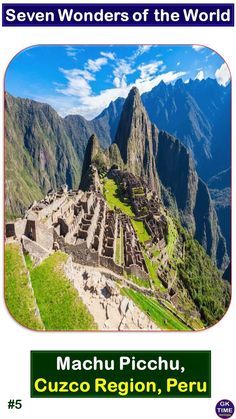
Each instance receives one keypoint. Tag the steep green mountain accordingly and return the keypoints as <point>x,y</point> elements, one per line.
<point>44,150</point>
<point>219,186</point>
<point>94,155</point>
<point>39,153</point>
<point>155,156</point>
<point>177,173</point>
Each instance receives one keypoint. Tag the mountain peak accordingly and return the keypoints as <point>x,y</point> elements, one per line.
<point>134,97</point>
<point>135,138</point>
<point>179,82</point>
<point>134,91</point>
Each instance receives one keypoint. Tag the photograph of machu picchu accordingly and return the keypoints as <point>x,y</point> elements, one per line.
<point>117,187</point>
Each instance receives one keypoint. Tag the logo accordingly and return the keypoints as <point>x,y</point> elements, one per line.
<point>224,409</point>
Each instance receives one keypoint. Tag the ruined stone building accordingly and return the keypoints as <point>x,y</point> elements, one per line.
<point>79,223</point>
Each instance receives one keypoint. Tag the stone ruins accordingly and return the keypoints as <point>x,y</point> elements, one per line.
<point>82,225</point>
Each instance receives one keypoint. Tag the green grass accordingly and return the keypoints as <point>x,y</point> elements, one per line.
<point>172,237</point>
<point>157,313</point>
<point>155,253</point>
<point>29,262</point>
<point>141,231</point>
<point>152,268</point>
<point>118,251</point>
<point>120,248</point>
<point>114,200</point>
<point>60,306</point>
<point>19,296</point>
<point>138,281</point>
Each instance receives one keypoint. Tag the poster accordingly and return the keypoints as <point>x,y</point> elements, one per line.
<point>117,139</point>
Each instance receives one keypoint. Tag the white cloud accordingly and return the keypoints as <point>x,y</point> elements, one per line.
<point>148,70</point>
<point>80,100</point>
<point>178,63</point>
<point>200,75</point>
<point>123,69</point>
<point>147,85</point>
<point>197,47</point>
<point>71,52</point>
<point>116,82</point>
<point>77,83</point>
<point>140,51</point>
<point>144,48</point>
<point>163,68</point>
<point>222,75</point>
<point>109,55</point>
<point>96,65</point>
<point>77,72</point>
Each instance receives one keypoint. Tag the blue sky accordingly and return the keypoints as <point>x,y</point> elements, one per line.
<point>78,79</point>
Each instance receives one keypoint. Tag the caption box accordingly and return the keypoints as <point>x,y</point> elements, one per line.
<point>121,374</point>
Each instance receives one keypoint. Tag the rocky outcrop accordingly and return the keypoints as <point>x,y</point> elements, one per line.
<point>177,173</point>
<point>137,140</point>
<point>220,190</point>
<point>114,156</point>
<point>207,230</point>
<point>94,155</point>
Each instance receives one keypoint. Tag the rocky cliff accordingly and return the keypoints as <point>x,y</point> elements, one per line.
<point>137,140</point>
<point>160,157</point>
<point>220,190</point>
<point>94,155</point>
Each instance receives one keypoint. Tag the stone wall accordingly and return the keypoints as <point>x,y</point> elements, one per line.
<point>44,236</point>
<point>110,264</point>
<point>137,271</point>
<point>20,228</point>
<point>79,252</point>
<point>30,230</point>
<point>35,251</point>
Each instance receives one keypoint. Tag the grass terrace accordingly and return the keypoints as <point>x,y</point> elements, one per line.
<point>114,199</point>
<point>141,231</point>
<point>152,268</point>
<point>59,303</point>
<point>163,318</point>
<point>120,248</point>
<point>172,237</point>
<point>18,295</point>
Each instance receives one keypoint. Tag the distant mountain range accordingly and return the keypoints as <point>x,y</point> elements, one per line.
<point>44,150</point>
<point>198,113</point>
